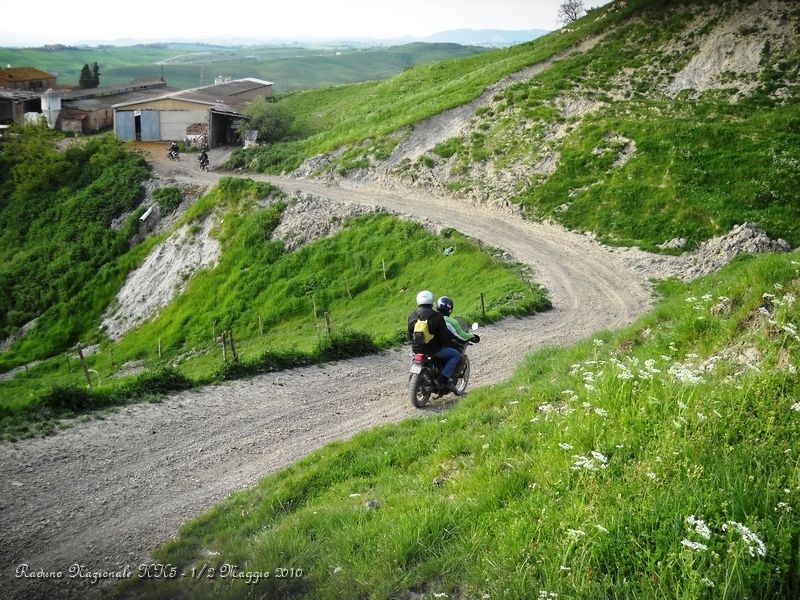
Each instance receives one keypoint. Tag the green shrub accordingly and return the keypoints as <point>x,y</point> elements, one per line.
<point>168,198</point>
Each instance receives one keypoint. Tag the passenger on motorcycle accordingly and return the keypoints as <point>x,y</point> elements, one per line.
<point>445,306</point>
<point>429,335</point>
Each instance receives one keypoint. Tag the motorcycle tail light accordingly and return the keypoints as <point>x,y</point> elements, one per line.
<point>419,358</point>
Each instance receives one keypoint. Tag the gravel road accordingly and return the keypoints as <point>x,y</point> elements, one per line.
<point>104,493</point>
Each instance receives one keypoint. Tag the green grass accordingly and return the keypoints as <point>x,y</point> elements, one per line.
<point>586,475</point>
<point>365,278</point>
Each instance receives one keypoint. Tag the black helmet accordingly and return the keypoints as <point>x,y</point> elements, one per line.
<point>445,305</point>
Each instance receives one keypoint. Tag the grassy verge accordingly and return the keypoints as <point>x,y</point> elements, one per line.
<point>654,462</point>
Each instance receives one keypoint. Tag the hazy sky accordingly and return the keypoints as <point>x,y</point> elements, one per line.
<point>51,21</point>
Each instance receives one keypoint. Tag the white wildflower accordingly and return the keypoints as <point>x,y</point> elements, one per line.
<point>440,595</point>
<point>754,544</point>
<point>701,417</point>
<point>485,446</point>
<point>652,475</point>
<point>778,286</point>
<point>601,528</point>
<point>568,392</point>
<point>681,405</point>
<point>700,526</point>
<point>691,299</point>
<point>599,457</point>
<point>601,412</point>
<point>547,408</point>
<point>598,343</point>
<point>694,545</point>
<point>582,462</point>
<point>587,406</point>
<point>708,582</point>
<point>796,406</point>
<point>783,507</point>
<point>565,446</point>
<point>684,373</point>
<point>707,296</point>
<point>575,533</point>
<point>337,570</point>
<point>589,387</point>
<point>650,365</point>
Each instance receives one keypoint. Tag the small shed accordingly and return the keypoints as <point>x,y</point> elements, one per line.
<point>179,115</point>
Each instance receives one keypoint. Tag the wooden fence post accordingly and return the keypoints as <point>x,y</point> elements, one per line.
<point>159,349</point>
<point>483,306</point>
<point>260,326</point>
<point>85,368</point>
<point>233,346</point>
<point>224,347</point>
<point>314,304</point>
<point>383,262</point>
<point>328,323</point>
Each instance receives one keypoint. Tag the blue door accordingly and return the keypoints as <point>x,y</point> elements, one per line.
<point>124,125</point>
<point>151,126</point>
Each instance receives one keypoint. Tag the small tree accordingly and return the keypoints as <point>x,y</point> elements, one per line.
<point>272,120</point>
<point>570,10</point>
<point>85,81</point>
<point>95,76</point>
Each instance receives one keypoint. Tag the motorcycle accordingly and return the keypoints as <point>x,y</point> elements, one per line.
<point>173,155</point>
<point>423,380</point>
<point>204,164</point>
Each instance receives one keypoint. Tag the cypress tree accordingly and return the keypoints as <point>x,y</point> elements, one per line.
<point>85,81</point>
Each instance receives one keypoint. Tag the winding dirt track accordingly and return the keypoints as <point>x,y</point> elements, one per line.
<point>104,493</point>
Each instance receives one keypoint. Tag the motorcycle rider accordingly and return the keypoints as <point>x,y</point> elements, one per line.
<point>429,335</point>
<point>203,158</point>
<point>173,150</point>
<point>445,306</point>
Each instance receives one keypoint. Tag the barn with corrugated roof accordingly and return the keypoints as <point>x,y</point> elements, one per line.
<point>175,116</point>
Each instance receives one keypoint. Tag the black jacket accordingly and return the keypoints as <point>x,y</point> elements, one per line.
<point>437,327</point>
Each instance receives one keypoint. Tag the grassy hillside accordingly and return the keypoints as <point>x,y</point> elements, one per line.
<point>57,243</point>
<point>654,462</point>
<point>190,65</point>
<point>598,141</point>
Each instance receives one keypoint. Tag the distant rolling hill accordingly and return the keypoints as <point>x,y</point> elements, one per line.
<point>190,65</point>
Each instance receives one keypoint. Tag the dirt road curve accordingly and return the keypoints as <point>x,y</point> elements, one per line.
<point>104,493</point>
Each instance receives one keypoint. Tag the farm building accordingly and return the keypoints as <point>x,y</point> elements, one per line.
<point>15,103</point>
<point>20,92</point>
<point>26,78</point>
<point>183,115</point>
<point>91,110</point>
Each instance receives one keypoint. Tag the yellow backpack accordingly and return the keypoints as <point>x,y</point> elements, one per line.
<point>422,334</point>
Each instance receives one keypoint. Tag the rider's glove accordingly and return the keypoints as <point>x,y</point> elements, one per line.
<point>475,338</point>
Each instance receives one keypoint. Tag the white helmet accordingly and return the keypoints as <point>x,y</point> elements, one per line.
<point>425,297</point>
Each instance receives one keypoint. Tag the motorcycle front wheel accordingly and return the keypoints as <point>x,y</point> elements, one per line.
<point>463,379</point>
<point>419,387</point>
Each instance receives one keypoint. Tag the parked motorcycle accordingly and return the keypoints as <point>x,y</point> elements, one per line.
<point>423,379</point>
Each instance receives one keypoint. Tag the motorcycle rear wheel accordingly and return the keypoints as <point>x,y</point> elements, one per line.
<point>419,387</point>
